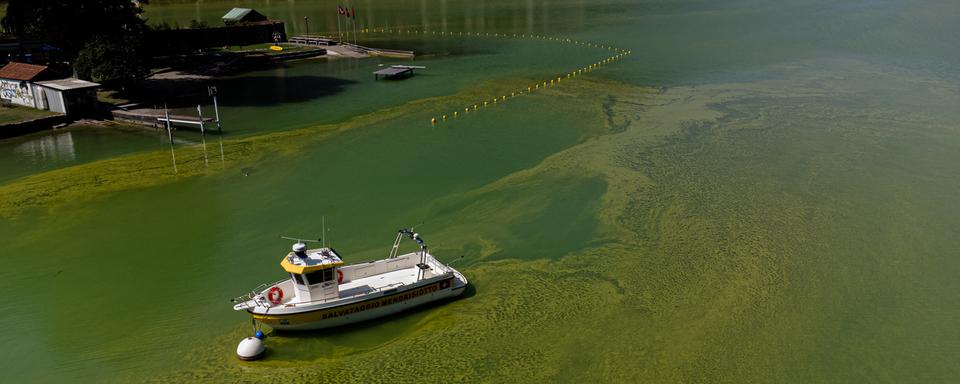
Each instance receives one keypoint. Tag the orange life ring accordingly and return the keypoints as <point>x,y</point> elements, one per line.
<point>275,291</point>
<point>339,277</point>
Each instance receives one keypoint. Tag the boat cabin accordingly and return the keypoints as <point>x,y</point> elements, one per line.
<point>314,272</point>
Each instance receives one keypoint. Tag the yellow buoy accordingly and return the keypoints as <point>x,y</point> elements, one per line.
<point>465,110</point>
<point>444,117</point>
<point>504,98</point>
<point>433,120</point>
<point>474,107</point>
<point>455,113</point>
<point>484,103</point>
<point>276,48</point>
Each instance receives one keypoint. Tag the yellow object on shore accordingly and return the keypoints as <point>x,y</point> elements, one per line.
<point>276,48</point>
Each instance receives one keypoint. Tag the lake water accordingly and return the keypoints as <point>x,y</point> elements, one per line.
<point>760,192</point>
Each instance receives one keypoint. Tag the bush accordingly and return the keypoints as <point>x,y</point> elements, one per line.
<point>113,60</point>
<point>197,24</point>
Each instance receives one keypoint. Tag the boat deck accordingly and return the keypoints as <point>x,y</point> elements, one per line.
<point>381,281</point>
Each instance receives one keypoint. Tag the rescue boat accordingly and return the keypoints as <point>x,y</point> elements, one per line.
<point>323,292</point>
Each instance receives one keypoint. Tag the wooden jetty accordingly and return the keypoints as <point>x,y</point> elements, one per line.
<point>347,49</point>
<point>312,40</point>
<point>155,118</point>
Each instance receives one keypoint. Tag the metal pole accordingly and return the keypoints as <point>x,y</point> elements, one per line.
<point>220,139</point>
<point>173,156</point>
<point>216,110</point>
<point>353,19</point>
<point>306,22</point>
<point>200,112</point>
<point>206,163</point>
<point>166,115</point>
<point>339,34</point>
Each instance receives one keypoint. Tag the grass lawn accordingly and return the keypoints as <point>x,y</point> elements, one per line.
<point>265,48</point>
<point>111,97</point>
<point>16,113</point>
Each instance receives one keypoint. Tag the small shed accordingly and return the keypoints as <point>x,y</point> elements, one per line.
<point>69,96</point>
<point>242,15</point>
<point>17,83</point>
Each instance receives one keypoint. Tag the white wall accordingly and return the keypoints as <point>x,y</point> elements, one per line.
<point>53,98</point>
<point>12,91</point>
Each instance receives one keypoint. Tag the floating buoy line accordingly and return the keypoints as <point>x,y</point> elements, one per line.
<point>617,55</point>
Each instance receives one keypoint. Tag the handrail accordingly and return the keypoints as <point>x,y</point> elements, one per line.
<point>256,292</point>
<point>324,300</point>
<point>380,289</point>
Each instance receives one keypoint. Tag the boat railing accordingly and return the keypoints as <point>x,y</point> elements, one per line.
<point>252,295</point>
<point>324,300</point>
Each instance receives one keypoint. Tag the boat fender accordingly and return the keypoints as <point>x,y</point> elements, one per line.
<point>339,277</point>
<point>250,348</point>
<point>275,295</point>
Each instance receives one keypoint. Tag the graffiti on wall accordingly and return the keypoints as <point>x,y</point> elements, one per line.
<point>16,92</point>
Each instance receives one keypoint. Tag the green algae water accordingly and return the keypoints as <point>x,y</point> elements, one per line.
<point>761,192</point>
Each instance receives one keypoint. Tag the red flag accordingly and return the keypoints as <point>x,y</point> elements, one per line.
<point>340,10</point>
<point>348,13</point>
<point>354,12</point>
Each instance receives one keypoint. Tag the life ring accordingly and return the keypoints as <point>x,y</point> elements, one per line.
<point>339,277</point>
<point>275,291</point>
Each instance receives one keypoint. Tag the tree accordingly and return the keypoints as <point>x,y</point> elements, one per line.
<point>113,60</point>
<point>109,34</point>
<point>198,24</point>
<point>69,25</point>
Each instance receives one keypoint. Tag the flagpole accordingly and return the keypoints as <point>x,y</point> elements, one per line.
<point>353,16</point>
<point>340,35</point>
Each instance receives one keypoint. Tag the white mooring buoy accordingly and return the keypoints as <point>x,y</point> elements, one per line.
<point>250,348</point>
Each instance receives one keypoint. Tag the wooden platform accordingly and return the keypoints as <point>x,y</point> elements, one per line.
<point>348,49</point>
<point>312,40</point>
<point>393,73</point>
<point>396,71</point>
<point>155,118</point>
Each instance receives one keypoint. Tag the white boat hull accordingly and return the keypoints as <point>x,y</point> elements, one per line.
<point>366,308</point>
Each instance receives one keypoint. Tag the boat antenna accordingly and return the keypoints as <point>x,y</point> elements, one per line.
<point>299,239</point>
<point>323,227</point>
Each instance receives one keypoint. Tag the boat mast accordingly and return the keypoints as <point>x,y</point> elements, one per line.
<point>423,249</point>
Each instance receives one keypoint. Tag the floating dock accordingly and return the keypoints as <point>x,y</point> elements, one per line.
<point>347,49</point>
<point>311,40</point>
<point>396,72</point>
<point>393,73</point>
